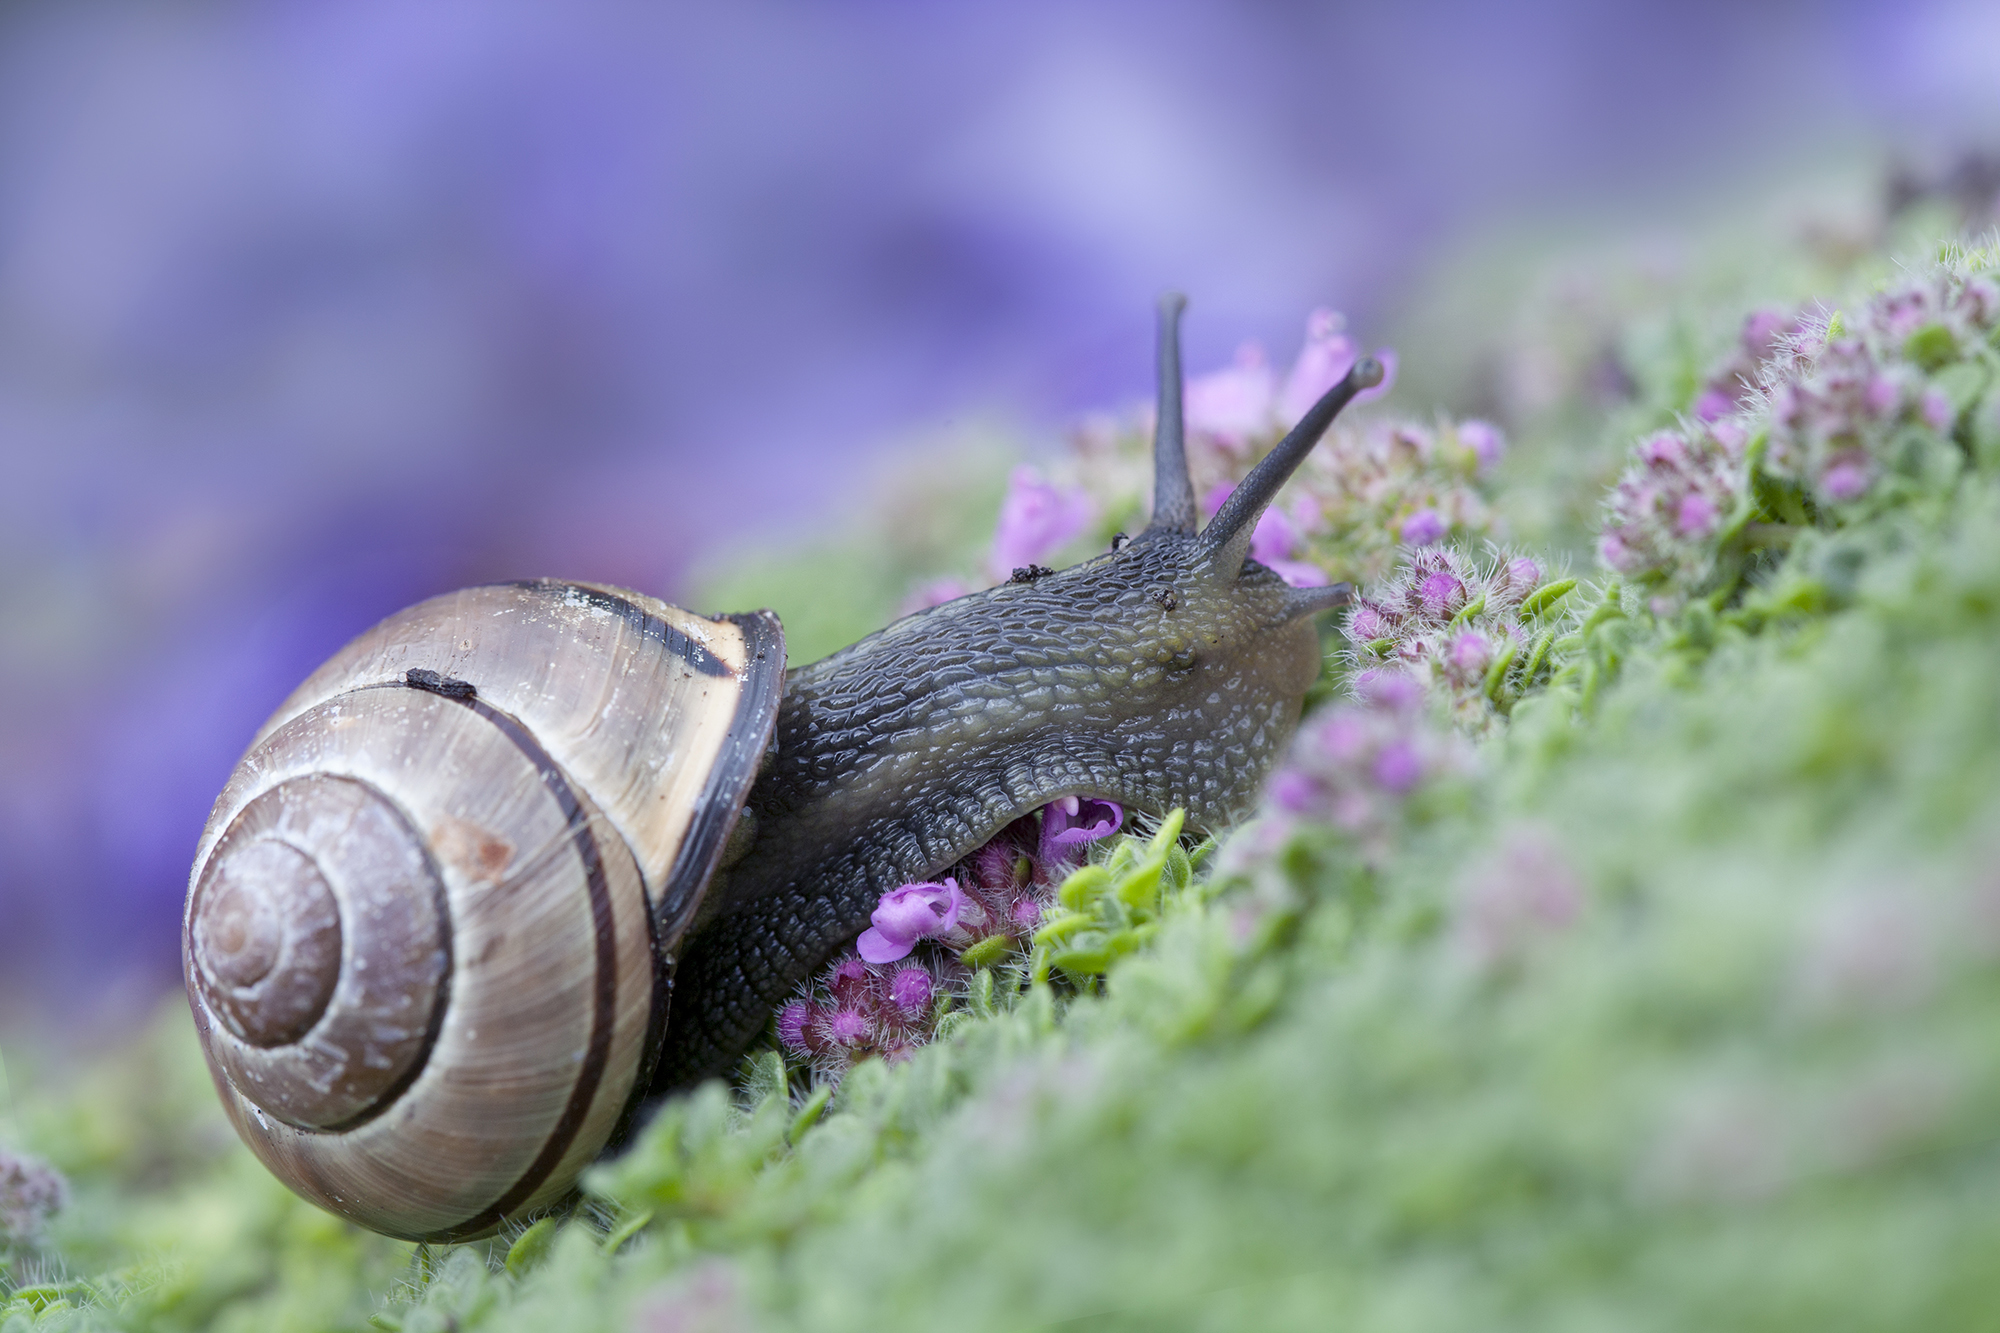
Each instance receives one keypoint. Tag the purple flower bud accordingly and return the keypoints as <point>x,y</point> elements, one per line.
<point>1342,736</point>
<point>1036,518</point>
<point>908,914</point>
<point>1396,691</point>
<point>1366,623</point>
<point>1731,436</point>
<point>1881,395</point>
<point>1763,330</point>
<point>1293,792</point>
<point>1426,527</point>
<point>1483,438</point>
<point>792,1022</point>
<point>847,1026</point>
<point>1524,573</point>
<point>1937,410</point>
<point>1470,652</point>
<point>1613,551</point>
<point>1846,479</point>
<point>1712,403</point>
<point>1696,517</point>
<point>910,990</point>
<point>1441,595</point>
<point>1399,767</point>
<point>1664,450</point>
<point>1026,914</point>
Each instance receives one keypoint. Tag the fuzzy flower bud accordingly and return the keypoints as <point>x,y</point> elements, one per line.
<point>31,1192</point>
<point>1426,527</point>
<point>910,989</point>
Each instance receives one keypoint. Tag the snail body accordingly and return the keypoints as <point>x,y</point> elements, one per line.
<point>437,914</point>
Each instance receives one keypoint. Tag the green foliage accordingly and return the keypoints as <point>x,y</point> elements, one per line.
<point>1677,1012</point>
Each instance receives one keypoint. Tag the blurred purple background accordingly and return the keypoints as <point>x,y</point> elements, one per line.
<point>308,311</point>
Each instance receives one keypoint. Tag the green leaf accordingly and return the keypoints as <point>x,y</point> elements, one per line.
<point>986,952</point>
<point>815,1106</point>
<point>1082,886</point>
<point>1546,596</point>
<point>1930,346</point>
<point>532,1247</point>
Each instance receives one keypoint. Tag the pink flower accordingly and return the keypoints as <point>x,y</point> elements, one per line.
<point>908,914</point>
<point>1072,821</point>
<point>1367,624</point>
<point>1613,551</point>
<point>1845,480</point>
<point>1441,595</point>
<point>1323,362</point>
<point>1274,537</point>
<point>1696,517</point>
<point>1398,767</point>
<point>1881,395</point>
<point>1470,652</point>
<point>1937,410</point>
<point>1483,438</point>
<point>1293,791</point>
<point>1712,404</point>
<point>1299,573</point>
<point>1036,518</point>
<point>1426,527</point>
<point>1397,691</point>
<point>792,1021</point>
<point>1524,573</point>
<point>910,989</point>
<point>1234,403</point>
<point>847,1027</point>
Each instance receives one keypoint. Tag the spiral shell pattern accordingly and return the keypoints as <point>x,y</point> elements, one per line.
<point>431,925</point>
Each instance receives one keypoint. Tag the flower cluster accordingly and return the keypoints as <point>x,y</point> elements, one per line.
<point>1355,764</point>
<point>1371,488</point>
<point>1767,336</point>
<point>1838,413</point>
<point>31,1191</point>
<point>1678,492</point>
<point>1466,628</point>
<point>924,940</point>
<point>1838,406</point>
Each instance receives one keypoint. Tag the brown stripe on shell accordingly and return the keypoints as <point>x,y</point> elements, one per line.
<point>604,992</point>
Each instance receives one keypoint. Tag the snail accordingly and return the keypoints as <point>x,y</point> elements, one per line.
<point>438,911</point>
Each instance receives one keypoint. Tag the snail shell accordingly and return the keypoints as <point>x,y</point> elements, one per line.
<point>431,924</point>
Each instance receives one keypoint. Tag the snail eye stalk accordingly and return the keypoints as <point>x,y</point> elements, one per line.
<point>1228,533</point>
<point>1173,489</point>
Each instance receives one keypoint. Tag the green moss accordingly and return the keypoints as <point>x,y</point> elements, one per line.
<point>1746,1079</point>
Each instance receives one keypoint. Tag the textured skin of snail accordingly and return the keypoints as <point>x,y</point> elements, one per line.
<point>437,915</point>
<point>1155,676</point>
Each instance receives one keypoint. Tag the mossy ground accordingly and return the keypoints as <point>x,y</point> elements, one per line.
<point>1747,1079</point>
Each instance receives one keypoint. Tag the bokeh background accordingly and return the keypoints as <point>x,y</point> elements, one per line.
<point>310,310</point>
